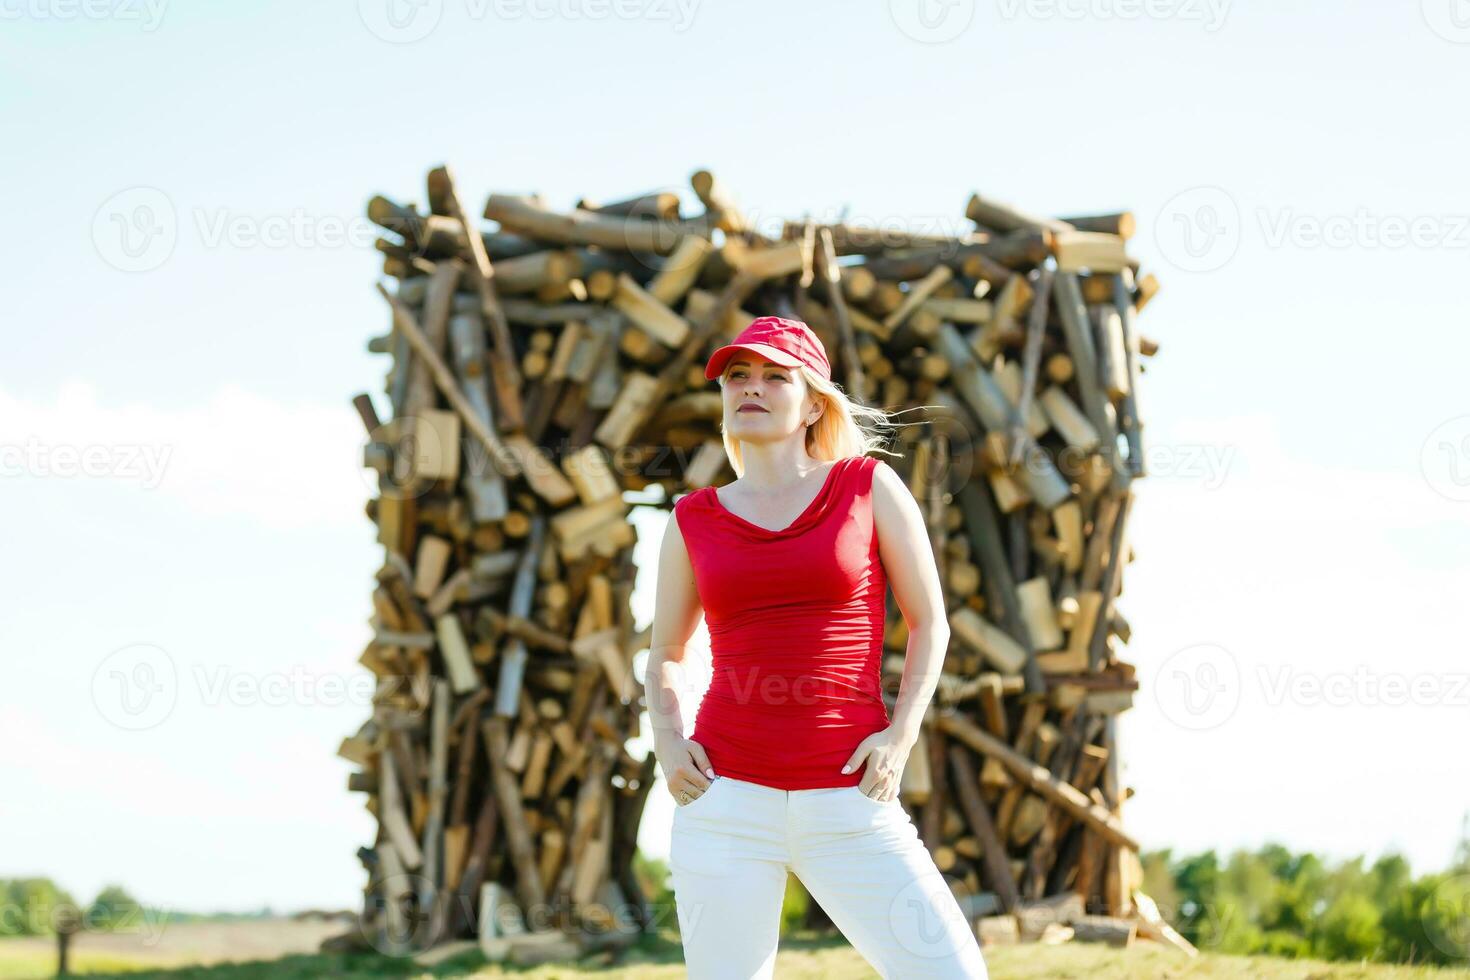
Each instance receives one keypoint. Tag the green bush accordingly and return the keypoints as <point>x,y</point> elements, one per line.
<point>1274,902</point>
<point>30,906</point>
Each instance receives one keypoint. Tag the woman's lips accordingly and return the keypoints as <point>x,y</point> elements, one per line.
<point>750,408</point>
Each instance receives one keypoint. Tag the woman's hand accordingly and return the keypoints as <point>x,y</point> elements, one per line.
<point>685,765</point>
<point>885,752</point>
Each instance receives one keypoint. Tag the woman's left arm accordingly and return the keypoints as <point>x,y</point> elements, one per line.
<point>908,562</point>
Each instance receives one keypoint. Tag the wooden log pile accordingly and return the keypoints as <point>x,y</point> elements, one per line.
<point>544,362</point>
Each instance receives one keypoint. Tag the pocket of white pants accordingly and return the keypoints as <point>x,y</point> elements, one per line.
<point>701,797</point>
<point>868,799</point>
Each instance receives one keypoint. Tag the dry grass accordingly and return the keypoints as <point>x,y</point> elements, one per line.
<point>284,950</point>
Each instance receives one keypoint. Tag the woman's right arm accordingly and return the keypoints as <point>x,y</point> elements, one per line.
<point>676,615</point>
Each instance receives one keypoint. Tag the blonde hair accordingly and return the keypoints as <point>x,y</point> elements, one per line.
<point>845,427</point>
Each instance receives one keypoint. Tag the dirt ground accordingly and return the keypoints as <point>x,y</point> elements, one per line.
<point>164,943</point>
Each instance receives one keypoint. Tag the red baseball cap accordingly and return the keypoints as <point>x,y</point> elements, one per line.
<point>789,343</point>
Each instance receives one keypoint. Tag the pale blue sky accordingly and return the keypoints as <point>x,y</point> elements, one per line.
<point>1310,515</point>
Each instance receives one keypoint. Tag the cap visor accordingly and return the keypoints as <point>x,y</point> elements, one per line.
<point>715,366</point>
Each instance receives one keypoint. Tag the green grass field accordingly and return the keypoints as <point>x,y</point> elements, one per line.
<point>659,958</point>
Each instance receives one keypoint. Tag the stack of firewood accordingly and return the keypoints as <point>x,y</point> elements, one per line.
<point>547,361</point>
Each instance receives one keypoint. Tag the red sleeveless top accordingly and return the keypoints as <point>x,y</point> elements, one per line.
<point>795,620</point>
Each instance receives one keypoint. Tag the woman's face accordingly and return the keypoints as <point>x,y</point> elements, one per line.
<point>776,400</point>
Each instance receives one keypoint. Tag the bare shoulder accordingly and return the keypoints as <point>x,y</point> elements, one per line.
<point>674,529</point>
<point>886,481</point>
<point>891,498</point>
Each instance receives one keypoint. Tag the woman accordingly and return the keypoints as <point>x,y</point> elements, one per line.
<point>794,764</point>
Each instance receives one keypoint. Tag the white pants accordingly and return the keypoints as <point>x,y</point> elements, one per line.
<point>862,860</point>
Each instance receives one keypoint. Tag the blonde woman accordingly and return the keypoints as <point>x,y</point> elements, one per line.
<point>793,762</point>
